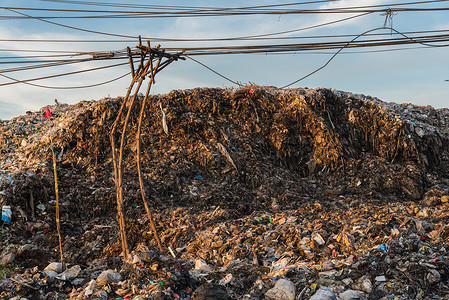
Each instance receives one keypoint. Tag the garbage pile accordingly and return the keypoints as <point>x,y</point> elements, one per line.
<point>257,193</point>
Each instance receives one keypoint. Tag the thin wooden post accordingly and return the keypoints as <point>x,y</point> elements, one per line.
<point>138,138</point>
<point>119,167</point>
<point>58,226</point>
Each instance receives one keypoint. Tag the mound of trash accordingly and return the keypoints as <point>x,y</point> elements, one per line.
<point>257,193</point>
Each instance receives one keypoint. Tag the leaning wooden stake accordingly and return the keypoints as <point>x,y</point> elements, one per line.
<point>138,138</point>
<point>120,214</point>
<point>55,174</point>
<point>58,226</point>
<point>117,158</point>
<point>118,161</point>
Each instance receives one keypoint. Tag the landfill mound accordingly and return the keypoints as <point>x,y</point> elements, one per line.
<point>257,190</point>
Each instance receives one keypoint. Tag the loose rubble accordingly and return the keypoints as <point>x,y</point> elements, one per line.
<point>257,193</point>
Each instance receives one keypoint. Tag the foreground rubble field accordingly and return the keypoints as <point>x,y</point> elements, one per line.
<point>257,193</point>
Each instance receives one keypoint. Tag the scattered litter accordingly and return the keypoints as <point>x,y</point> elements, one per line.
<point>256,192</point>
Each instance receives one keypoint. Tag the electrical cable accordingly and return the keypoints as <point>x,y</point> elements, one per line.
<point>333,56</point>
<point>238,10</point>
<point>328,61</point>
<point>176,15</point>
<point>212,70</point>
<point>65,87</point>
<point>220,39</point>
<point>178,7</point>
<point>72,27</point>
<point>65,74</point>
<point>200,40</point>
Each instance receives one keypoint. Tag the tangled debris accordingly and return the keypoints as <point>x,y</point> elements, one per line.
<point>258,193</point>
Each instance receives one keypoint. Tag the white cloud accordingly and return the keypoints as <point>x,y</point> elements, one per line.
<point>347,3</point>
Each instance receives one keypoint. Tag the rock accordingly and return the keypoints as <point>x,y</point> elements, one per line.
<point>202,266</point>
<point>8,259</point>
<point>107,277</point>
<point>210,291</point>
<point>283,290</point>
<point>55,267</point>
<point>350,295</point>
<point>324,293</point>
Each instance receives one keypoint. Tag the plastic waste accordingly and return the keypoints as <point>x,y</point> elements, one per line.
<point>6,214</point>
<point>283,290</point>
<point>324,293</point>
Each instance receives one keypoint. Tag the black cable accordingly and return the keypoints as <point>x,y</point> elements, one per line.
<point>190,10</point>
<point>179,7</point>
<point>200,40</point>
<point>212,70</point>
<point>341,49</point>
<point>64,74</point>
<point>322,67</point>
<point>177,15</point>
<point>65,87</point>
<point>221,39</point>
<point>72,27</point>
<point>49,63</point>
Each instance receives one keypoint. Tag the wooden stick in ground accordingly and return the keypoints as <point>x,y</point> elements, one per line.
<point>115,165</point>
<point>123,238</point>
<point>119,167</point>
<point>138,138</point>
<point>58,226</point>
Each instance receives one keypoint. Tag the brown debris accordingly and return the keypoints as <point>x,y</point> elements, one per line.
<point>317,187</point>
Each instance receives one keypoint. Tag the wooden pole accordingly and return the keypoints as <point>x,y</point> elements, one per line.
<point>119,167</point>
<point>58,226</point>
<point>138,138</point>
<point>120,214</point>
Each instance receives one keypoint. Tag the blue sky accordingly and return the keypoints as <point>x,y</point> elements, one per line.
<point>415,75</point>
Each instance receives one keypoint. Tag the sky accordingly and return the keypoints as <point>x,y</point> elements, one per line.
<point>414,74</point>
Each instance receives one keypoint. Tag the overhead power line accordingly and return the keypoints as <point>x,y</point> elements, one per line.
<point>115,4</point>
<point>62,74</point>
<point>398,7</point>
<point>214,39</point>
<point>65,87</point>
<point>348,44</point>
<point>372,38</point>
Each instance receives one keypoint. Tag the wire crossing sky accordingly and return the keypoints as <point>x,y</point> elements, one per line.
<point>76,50</point>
